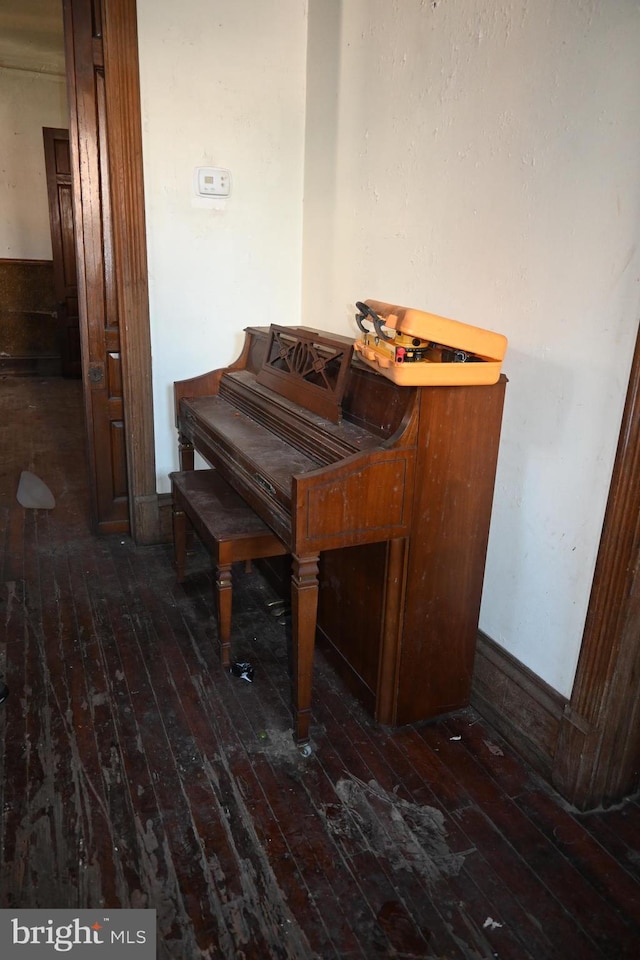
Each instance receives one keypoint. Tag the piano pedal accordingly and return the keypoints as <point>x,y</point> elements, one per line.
<point>279,608</point>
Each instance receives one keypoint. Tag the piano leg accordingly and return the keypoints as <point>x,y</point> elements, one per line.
<point>391,635</point>
<point>179,541</point>
<point>223,595</point>
<point>304,609</point>
<point>185,453</point>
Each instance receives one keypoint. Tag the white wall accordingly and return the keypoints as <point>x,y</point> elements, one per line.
<point>28,102</point>
<point>222,85</point>
<point>479,159</point>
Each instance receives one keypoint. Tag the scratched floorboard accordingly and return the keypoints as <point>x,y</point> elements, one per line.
<point>136,772</point>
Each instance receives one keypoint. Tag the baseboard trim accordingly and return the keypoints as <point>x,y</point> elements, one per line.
<point>525,710</point>
<point>152,522</point>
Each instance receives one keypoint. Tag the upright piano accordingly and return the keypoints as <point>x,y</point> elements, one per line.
<point>382,495</point>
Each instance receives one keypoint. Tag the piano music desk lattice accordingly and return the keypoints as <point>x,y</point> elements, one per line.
<point>307,368</point>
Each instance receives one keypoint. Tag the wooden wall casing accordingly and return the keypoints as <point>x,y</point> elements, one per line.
<point>106,151</point>
<point>28,327</point>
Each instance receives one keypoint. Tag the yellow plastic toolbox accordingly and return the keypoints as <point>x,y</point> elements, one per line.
<point>415,348</point>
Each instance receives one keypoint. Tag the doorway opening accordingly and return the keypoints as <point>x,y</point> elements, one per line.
<point>37,350</point>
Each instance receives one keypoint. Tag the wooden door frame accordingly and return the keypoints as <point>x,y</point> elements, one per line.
<point>124,146</point>
<point>123,150</point>
<point>63,250</point>
<point>597,758</point>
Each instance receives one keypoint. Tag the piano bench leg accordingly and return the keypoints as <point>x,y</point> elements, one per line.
<point>179,542</point>
<point>224,595</point>
<point>204,504</point>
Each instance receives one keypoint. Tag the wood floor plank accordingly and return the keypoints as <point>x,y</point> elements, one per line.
<point>566,891</point>
<point>495,923</point>
<point>367,840</point>
<point>244,847</point>
<point>478,885</point>
<point>557,822</point>
<point>618,831</point>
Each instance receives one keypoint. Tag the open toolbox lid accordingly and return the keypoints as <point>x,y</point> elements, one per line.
<point>413,347</point>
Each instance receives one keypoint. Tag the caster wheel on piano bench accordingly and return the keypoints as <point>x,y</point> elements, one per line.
<point>306,750</point>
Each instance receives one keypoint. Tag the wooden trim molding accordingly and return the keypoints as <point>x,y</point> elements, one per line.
<point>23,260</point>
<point>522,707</point>
<point>30,366</point>
<point>29,343</point>
<point>122,86</point>
<point>597,759</point>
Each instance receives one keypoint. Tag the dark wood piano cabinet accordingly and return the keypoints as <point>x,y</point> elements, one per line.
<point>386,514</point>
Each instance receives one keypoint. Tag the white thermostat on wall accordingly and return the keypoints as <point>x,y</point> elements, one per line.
<point>212,182</point>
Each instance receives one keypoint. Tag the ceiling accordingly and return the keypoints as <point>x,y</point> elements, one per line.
<point>32,36</point>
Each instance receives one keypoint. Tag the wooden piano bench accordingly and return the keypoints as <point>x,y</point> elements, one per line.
<point>228,528</point>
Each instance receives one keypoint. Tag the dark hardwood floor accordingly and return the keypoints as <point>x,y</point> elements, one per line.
<point>135,772</point>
